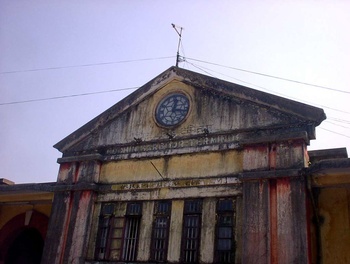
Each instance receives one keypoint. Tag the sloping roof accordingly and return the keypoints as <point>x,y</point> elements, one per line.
<point>309,114</point>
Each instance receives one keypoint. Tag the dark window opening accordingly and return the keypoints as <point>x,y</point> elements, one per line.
<point>225,248</point>
<point>134,209</point>
<point>191,231</point>
<point>160,232</point>
<point>131,232</point>
<point>118,234</point>
<point>105,223</point>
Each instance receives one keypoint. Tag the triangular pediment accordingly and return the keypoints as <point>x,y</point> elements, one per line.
<point>179,106</point>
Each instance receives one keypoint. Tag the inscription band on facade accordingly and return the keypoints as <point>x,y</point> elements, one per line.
<point>175,144</point>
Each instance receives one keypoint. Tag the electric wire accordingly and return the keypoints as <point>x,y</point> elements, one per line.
<point>169,57</point>
<point>85,65</point>
<point>271,76</point>
<point>133,88</point>
<point>339,120</point>
<point>66,96</point>
<point>328,130</point>
<point>336,124</point>
<point>265,89</point>
<point>184,59</point>
<point>334,132</point>
<point>197,67</point>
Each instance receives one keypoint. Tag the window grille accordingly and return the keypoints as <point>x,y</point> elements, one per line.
<point>131,232</point>
<point>224,252</point>
<point>160,232</point>
<point>118,231</point>
<point>191,231</point>
<point>102,241</point>
<point>134,209</point>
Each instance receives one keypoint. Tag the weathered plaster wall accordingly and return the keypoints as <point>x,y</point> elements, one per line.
<point>143,252</point>
<point>175,231</point>
<point>17,204</point>
<point>274,207</point>
<point>173,167</point>
<point>214,112</point>
<point>7,212</point>
<point>275,155</point>
<point>70,221</point>
<point>334,204</point>
<point>208,230</point>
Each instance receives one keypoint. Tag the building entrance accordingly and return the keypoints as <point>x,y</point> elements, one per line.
<point>27,248</point>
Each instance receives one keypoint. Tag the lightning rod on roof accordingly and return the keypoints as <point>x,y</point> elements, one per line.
<point>178,46</point>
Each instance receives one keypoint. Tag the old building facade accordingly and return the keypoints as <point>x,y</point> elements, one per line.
<point>192,169</point>
<point>187,169</point>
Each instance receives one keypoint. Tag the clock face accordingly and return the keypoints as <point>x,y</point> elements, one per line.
<point>172,110</point>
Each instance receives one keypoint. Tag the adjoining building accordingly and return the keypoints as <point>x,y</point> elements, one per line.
<point>193,169</point>
<point>24,217</point>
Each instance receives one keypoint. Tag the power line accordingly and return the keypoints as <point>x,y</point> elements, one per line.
<point>261,87</point>
<point>66,96</point>
<point>335,132</point>
<point>169,57</point>
<point>336,124</point>
<point>200,68</point>
<point>271,76</point>
<point>126,61</point>
<point>339,120</point>
<point>84,65</point>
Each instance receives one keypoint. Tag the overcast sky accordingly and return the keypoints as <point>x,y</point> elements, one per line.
<point>54,49</point>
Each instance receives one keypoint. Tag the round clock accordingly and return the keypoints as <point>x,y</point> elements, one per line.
<point>172,110</point>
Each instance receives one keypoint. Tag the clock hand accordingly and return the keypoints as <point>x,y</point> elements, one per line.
<point>174,105</point>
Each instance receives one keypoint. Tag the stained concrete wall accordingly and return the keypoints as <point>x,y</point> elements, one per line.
<point>13,205</point>
<point>173,167</point>
<point>329,181</point>
<point>334,205</point>
<point>233,142</point>
<point>208,110</point>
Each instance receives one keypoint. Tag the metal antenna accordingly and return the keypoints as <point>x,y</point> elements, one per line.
<point>178,46</point>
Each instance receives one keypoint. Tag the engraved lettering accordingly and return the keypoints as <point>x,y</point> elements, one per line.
<point>225,142</point>
<point>181,144</point>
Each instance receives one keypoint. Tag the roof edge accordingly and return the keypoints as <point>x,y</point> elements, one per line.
<point>311,114</point>
<point>136,96</point>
